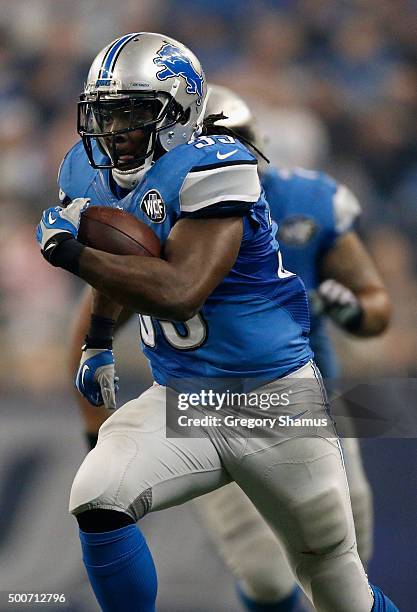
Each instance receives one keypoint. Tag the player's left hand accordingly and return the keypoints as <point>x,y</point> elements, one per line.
<point>59,224</point>
<point>340,304</point>
<point>96,379</point>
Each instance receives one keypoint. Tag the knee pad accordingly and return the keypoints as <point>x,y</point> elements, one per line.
<point>101,484</point>
<point>97,521</point>
<point>94,486</point>
<point>322,521</point>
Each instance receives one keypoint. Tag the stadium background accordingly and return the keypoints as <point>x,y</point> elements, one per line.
<point>335,85</point>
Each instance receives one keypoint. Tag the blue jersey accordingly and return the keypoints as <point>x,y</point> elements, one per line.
<point>231,336</point>
<point>311,211</point>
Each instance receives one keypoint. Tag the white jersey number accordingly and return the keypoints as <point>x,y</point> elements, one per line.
<point>282,272</point>
<point>182,336</point>
<point>207,141</point>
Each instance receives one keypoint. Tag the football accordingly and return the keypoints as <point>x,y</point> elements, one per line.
<point>115,231</point>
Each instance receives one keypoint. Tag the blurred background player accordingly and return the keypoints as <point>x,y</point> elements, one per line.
<point>315,218</point>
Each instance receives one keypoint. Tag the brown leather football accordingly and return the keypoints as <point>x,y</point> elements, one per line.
<point>114,231</point>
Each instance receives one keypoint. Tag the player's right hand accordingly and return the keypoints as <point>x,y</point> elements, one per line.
<point>96,379</point>
<point>59,224</point>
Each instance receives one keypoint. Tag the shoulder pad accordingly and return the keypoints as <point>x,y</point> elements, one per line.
<point>346,209</point>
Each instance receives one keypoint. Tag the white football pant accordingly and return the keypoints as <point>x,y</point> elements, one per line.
<point>298,484</point>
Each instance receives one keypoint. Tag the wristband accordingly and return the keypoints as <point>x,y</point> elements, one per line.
<point>100,333</point>
<point>63,251</point>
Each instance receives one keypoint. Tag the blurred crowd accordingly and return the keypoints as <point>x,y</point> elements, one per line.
<point>334,86</point>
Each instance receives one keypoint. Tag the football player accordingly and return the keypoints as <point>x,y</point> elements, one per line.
<point>207,311</point>
<point>315,217</point>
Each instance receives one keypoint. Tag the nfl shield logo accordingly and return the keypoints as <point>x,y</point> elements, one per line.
<point>153,206</point>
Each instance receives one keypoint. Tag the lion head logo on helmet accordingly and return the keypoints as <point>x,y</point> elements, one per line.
<point>175,63</point>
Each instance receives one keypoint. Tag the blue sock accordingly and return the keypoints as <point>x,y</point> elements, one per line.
<point>289,604</point>
<point>121,569</point>
<point>381,602</point>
